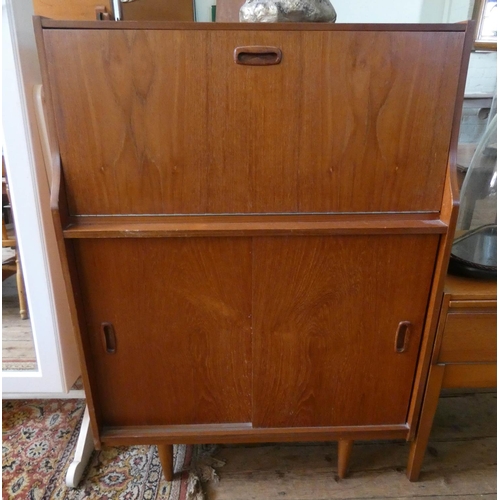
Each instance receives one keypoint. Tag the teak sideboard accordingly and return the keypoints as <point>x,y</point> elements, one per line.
<point>255,223</point>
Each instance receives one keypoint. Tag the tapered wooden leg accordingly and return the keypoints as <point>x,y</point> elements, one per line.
<point>344,455</point>
<point>429,406</point>
<point>166,454</point>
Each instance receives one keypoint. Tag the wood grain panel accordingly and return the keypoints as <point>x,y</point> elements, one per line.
<point>349,121</point>
<point>249,225</point>
<point>142,97</point>
<point>469,337</point>
<point>68,9</point>
<point>470,375</point>
<point>461,288</point>
<point>243,433</point>
<point>181,314</point>
<point>326,311</point>
<point>378,134</point>
<point>173,10</point>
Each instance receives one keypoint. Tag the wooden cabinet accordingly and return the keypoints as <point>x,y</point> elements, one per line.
<point>464,355</point>
<point>255,245</point>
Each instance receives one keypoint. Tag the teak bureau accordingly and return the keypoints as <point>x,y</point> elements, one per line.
<point>255,223</point>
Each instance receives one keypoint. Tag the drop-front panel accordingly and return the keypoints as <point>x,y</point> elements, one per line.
<point>165,121</point>
<point>253,252</point>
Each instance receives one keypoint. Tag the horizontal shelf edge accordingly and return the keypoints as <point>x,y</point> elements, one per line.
<point>191,25</point>
<point>244,433</point>
<point>151,227</point>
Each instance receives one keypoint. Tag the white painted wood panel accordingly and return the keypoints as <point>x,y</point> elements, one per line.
<point>58,367</point>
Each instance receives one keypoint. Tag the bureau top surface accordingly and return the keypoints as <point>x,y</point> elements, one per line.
<point>164,118</point>
<point>171,25</point>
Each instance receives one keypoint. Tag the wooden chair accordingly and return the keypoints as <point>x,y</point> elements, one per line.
<point>12,265</point>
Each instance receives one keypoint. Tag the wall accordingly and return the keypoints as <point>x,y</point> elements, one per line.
<point>381,11</point>
<point>446,11</point>
<point>402,11</point>
<point>203,9</point>
<point>481,80</point>
<point>482,76</point>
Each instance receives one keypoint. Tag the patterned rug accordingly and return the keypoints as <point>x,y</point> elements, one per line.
<point>39,439</point>
<point>18,348</point>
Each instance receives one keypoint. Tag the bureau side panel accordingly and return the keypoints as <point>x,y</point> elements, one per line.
<point>166,122</point>
<point>326,315</point>
<point>180,310</point>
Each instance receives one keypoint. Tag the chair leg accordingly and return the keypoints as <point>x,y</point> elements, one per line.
<point>166,454</point>
<point>429,406</point>
<point>344,455</point>
<point>23,306</point>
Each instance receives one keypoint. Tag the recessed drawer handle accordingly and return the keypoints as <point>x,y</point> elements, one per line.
<point>402,337</point>
<point>257,55</point>
<point>108,332</point>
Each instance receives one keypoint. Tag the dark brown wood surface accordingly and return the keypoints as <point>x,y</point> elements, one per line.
<point>324,324</point>
<point>235,339</point>
<point>347,122</point>
<point>246,225</point>
<point>244,433</point>
<point>181,311</point>
<point>172,10</point>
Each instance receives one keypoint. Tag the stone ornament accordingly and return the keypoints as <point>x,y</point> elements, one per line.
<point>279,11</point>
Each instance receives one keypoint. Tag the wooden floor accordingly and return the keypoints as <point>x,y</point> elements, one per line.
<point>18,350</point>
<point>460,463</point>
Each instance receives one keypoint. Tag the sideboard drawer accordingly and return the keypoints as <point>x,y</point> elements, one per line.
<point>469,336</point>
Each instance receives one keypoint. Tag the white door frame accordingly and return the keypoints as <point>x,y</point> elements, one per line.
<point>29,188</point>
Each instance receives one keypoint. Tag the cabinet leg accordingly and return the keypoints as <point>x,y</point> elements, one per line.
<point>344,454</point>
<point>166,454</point>
<point>429,406</point>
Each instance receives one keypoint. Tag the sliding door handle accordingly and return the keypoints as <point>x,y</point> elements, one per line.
<point>402,337</point>
<point>109,337</point>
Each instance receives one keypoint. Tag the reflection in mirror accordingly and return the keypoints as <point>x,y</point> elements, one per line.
<point>396,11</point>
<point>18,347</point>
